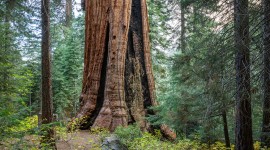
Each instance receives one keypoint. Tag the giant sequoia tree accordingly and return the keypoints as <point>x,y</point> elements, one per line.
<point>118,84</point>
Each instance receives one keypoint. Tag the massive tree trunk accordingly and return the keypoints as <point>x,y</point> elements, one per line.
<point>46,110</point>
<point>243,131</point>
<point>118,84</point>
<point>265,137</point>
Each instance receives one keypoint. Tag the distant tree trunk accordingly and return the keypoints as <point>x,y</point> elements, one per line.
<point>118,84</point>
<point>265,137</point>
<point>224,99</point>
<point>46,110</point>
<point>7,43</point>
<point>243,131</point>
<point>83,4</point>
<point>225,129</point>
<point>68,12</point>
<point>183,29</point>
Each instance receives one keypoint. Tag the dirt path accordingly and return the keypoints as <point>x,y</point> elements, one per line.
<point>80,140</point>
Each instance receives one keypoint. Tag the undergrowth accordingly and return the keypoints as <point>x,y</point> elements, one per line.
<point>134,139</point>
<point>26,136</point>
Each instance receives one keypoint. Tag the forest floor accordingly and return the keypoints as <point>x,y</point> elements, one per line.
<point>92,140</point>
<point>79,140</point>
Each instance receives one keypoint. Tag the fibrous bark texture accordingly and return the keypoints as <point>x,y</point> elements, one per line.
<point>265,137</point>
<point>46,108</point>
<point>118,84</point>
<point>243,130</point>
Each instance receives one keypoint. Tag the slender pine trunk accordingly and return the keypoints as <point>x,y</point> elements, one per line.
<point>265,136</point>
<point>225,129</point>
<point>46,108</point>
<point>243,130</point>
<point>68,12</point>
<point>183,29</point>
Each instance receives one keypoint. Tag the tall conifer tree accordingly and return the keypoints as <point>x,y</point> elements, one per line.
<point>265,137</point>
<point>46,108</point>
<point>243,130</point>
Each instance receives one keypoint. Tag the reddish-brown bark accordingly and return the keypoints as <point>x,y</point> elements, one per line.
<point>47,115</point>
<point>118,83</point>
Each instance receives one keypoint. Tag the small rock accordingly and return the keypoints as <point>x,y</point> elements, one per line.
<point>113,143</point>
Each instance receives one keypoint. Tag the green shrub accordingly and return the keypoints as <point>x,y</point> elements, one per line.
<point>22,135</point>
<point>101,132</point>
<point>134,139</point>
<point>29,123</point>
<point>127,134</point>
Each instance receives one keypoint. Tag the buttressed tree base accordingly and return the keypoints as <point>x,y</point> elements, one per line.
<point>118,83</point>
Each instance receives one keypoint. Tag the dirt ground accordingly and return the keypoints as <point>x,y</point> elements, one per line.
<point>80,140</point>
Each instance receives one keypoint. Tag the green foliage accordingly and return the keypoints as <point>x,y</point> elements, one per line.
<point>192,92</point>
<point>22,135</point>
<point>67,69</point>
<point>27,124</point>
<point>100,132</point>
<point>15,76</point>
<point>134,139</point>
<point>194,86</point>
<point>128,134</point>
